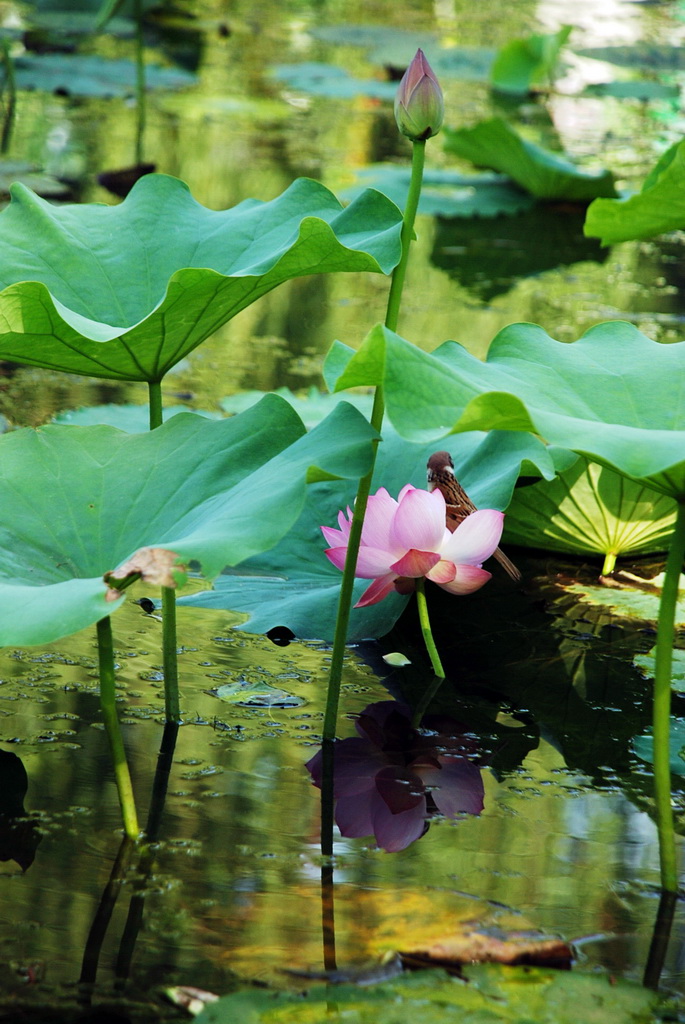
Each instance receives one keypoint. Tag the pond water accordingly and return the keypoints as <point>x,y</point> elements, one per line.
<point>541,683</point>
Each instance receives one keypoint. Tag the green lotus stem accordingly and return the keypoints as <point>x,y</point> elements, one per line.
<point>397,284</point>
<point>140,81</point>
<point>661,723</point>
<point>170,655</point>
<point>154,392</point>
<point>169,644</point>
<point>112,728</point>
<point>609,563</point>
<point>363,491</point>
<point>427,634</point>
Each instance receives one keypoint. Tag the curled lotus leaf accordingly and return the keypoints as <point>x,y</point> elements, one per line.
<point>124,292</point>
<point>613,395</point>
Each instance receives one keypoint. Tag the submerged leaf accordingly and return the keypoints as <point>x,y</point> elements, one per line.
<point>76,300</point>
<point>625,601</point>
<point>643,746</point>
<point>647,665</point>
<point>446,193</point>
<point>259,694</point>
<point>329,80</point>
<point>493,995</point>
<point>89,75</point>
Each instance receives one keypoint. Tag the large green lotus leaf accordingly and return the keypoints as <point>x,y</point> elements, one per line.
<point>80,501</point>
<point>493,994</point>
<point>589,508</point>
<point>523,64</point>
<point>546,175</point>
<point>658,207</point>
<point>614,395</point>
<point>125,292</point>
<point>294,584</point>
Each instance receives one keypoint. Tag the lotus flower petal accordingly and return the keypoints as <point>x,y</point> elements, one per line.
<point>416,563</point>
<point>469,578</point>
<point>379,589</point>
<point>475,538</point>
<point>419,521</point>
<point>442,572</point>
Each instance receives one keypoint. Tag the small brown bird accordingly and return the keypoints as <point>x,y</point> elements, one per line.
<point>441,475</point>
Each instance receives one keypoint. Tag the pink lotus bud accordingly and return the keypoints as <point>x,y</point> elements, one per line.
<point>419,105</point>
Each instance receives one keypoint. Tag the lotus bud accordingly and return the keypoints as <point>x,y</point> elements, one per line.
<point>419,104</point>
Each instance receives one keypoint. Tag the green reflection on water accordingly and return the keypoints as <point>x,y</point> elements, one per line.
<point>235,884</point>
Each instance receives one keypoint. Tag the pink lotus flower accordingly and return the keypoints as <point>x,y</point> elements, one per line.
<point>406,539</point>
<point>391,778</point>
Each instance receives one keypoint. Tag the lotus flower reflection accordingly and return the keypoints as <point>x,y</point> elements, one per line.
<point>406,539</point>
<point>391,778</point>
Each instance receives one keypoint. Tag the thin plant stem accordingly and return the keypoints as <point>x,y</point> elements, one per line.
<point>428,640</point>
<point>661,723</point>
<point>418,157</point>
<point>661,935</point>
<point>10,87</point>
<point>363,491</point>
<point>170,655</point>
<point>169,642</point>
<point>103,916</point>
<point>112,728</point>
<point>141,111</point>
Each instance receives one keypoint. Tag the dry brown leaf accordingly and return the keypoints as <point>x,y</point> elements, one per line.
<point>491,946</point>
<point>157,566</point>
